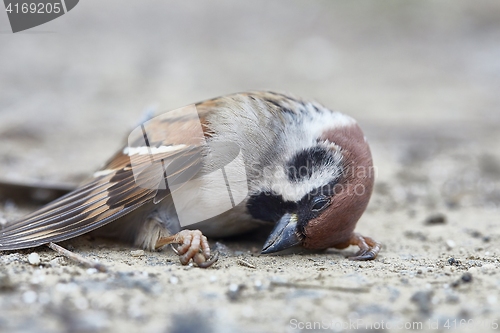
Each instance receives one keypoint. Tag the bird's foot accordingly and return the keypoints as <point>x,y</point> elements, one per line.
<point>368,247</point>
<point>192,245</point>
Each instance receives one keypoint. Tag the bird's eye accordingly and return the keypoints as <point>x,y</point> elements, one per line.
<point>320,204</point>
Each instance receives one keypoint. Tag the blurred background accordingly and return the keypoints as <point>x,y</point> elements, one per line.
<point>71,89</point>
<point>421,77</point>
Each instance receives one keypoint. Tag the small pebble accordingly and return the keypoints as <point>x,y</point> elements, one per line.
<point>234,291</point>
<point>174,279</point>
<point>137,253</point>
<point>450,244</point>
<point>466,277</point>
<point>475,234</point>
<point>34,259</point>
<point>435,219</point>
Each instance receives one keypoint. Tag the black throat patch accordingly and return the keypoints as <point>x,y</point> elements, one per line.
<point>269,207</point>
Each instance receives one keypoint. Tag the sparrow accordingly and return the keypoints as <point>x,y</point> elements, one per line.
<point>305,169</point>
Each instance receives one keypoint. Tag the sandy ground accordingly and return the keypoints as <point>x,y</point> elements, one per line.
<point>422,79</point>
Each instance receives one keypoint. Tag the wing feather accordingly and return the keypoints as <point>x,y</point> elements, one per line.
<point>112,194</point>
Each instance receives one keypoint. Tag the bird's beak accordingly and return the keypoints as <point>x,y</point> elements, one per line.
<point>283,236</point>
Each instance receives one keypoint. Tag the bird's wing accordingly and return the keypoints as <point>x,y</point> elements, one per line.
<point>172,138</point>
<point>114,191</point>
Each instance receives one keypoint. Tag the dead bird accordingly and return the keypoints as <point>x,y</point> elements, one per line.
<point>306,169</point>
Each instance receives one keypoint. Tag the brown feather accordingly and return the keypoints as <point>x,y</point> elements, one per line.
<point>108,197</point>
<point>115,192</point>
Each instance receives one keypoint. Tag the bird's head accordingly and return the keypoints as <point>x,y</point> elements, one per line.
<point>329,186</point>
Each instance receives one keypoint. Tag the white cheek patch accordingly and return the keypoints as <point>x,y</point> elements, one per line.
<point>277,181</point>
<point>145,150</point>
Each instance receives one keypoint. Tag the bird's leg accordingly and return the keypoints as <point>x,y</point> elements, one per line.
<point>192,245</point>
<point>368,247</point>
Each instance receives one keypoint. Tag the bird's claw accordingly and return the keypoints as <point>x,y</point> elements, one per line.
<point>368,247</point>
<point>193,245</point>
<point>203,262</point>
